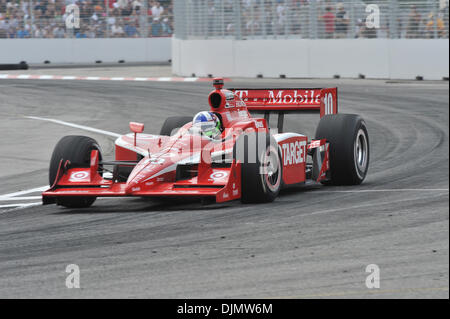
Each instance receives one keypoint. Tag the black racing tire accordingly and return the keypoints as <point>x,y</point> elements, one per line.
<point>122,173</point>
<point>349,148</point>
<point>76,149</point>
<point>173,123</point>
<point>261,168</point>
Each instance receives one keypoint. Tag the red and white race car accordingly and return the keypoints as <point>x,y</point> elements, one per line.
<point>248,161</point>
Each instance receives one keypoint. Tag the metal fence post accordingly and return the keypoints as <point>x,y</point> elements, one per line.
<point>392,18</point>
<point>237,19</point>
<point>435,19</point>
<point>180,19</point>
<point>352,23</point>
<point>313,16</point>
<point>144,19</point>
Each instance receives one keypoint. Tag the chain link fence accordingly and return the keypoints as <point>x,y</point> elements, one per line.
<point>98,19</point>
<point>310,19</point>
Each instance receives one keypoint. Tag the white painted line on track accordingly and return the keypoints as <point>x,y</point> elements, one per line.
<point>7,199</point>
<point>81,127</point>
<point>16,197</point>
<point>21,205</point>
<point>24,192</point>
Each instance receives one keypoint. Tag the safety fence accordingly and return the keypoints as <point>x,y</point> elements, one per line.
<point>87,19</point>
<point>311,19</point>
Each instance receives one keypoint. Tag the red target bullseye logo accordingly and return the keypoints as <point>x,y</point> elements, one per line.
<point>79,176</point>
<point>218,175</point>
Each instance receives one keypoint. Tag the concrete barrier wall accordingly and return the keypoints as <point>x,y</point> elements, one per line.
<point>374,58</point>
<point>85,50</point>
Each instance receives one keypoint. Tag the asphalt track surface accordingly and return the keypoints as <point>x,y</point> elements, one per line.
<point>311,242</point>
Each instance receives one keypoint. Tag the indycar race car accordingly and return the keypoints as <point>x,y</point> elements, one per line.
<point>247,160</point>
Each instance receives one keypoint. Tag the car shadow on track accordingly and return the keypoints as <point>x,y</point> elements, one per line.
<point>145,205</point>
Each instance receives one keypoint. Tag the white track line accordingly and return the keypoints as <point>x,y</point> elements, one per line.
<point>24,192</point>
<point>13,199</point>
<point>81,127</point>
<point>21,205</point>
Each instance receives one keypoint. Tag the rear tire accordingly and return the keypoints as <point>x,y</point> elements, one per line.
<point>173,123</point>
<point>349,148</point>
<point>76,149</point>
<point>261,172</point>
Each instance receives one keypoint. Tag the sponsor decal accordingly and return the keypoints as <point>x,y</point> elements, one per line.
<point>243,114</point>
<point>229,95</point>
<point>240,103</point>
<point>73,277</point>
<point>78,176</point>
<point>136,189</point>
<point>294,153</point>
<point>149,183</point>
<point>155,161</point>
<point>225,195</point>
<point>259,124</point>
<point>309,97</point>
<point>235,192</point>
<point>218,175</point>
<point>314,144</point>
<point>373,279</point>
<point>282,97</point>
<point>242,94</point>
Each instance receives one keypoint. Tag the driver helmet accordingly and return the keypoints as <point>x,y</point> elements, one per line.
<point>208,123</point>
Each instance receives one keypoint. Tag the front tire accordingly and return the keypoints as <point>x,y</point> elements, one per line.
<point>349,147</point>
<point>173,123</point>
<point>261,169</point>
<point>77,150</point>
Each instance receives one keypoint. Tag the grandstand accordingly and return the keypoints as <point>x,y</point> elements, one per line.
<point>310,19</point>
<point>239,19</point>
<point>98,19</point>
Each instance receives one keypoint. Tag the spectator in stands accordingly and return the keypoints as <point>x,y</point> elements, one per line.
<point>166,27</point>
<point>282,17</point>
<point>58,31</point>
<point>156,27</point>
<point>414,19</point>
<point>117,30</point>
<point>23,33</point>
<point>432,29</point>
<point>157,10</point>
<point>131,29</point>
<point>328,20</point>
<point>342,22</point>
<point>81,34</point>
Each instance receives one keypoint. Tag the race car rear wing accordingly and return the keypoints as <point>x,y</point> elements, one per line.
<point>315,100</point>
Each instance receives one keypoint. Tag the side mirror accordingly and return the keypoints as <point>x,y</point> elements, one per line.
<point>136,128</point>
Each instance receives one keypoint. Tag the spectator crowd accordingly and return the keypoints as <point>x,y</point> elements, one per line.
<point>98,19</point>
<point>320,18</point>
<point>128,18</point>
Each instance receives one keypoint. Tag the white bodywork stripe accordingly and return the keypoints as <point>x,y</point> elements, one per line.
<point>284,136</point>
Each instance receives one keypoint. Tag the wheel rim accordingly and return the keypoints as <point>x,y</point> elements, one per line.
<point>271,169</point>
<point>361,152</point>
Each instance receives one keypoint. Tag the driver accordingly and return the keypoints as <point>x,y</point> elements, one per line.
<point>208,124</point>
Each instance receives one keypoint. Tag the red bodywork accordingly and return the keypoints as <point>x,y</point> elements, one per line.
<point>161,157</point>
